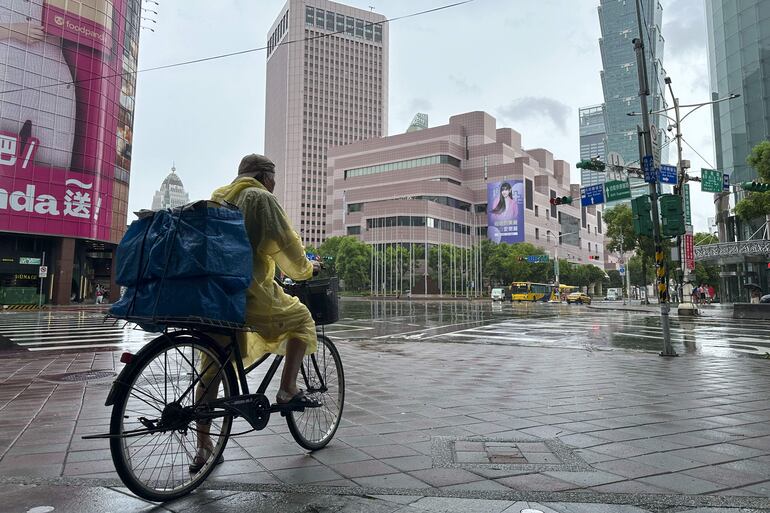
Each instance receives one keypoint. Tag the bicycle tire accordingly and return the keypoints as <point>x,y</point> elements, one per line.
<point>332,400</point>
<point>121,448</point>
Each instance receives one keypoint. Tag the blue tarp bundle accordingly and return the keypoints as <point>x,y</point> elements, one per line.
<point>190,261</point>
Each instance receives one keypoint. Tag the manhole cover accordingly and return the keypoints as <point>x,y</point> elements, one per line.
<point>78,377</point>
<point>535,455</point>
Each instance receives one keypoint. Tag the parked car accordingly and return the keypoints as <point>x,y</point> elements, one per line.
<point>612,295</point>
<point>765,299</point>
<point>498,294</point>
<point>579,298</point>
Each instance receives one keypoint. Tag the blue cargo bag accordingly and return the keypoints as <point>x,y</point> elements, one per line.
<point>191,261</point>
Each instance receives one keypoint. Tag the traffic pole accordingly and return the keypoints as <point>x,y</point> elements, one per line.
<point>644,91</point>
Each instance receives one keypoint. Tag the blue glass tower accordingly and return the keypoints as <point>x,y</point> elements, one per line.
<point>620,82</point>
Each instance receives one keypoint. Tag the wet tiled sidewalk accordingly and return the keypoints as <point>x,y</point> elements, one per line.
<point>453,421</point>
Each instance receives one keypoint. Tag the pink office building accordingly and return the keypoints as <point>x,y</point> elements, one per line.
<point>456,184</point>
<point>327,85</point>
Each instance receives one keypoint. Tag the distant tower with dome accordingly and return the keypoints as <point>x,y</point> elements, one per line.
<point>171,193</point>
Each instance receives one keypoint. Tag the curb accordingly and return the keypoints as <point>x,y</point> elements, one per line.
<point>23,307</point>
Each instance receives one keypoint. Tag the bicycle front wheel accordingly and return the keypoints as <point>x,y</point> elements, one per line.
<point>157,415</point>
<point>322,378</point>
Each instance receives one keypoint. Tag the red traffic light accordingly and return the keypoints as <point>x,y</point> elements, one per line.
<point>554,201</point>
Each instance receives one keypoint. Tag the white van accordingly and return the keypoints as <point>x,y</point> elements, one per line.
<point>612,295</point>
<point>498,294</point>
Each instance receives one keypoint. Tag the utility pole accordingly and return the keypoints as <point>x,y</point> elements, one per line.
<point>660,263</point>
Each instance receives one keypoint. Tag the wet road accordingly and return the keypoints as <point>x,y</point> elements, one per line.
<point>462,322</point>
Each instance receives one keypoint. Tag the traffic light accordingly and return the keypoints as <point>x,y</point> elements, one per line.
<point>755,186</point>
<point>593,165</point>
<point>671,215</point>
<point>641,209</point>
<point>564,200</point>
<point>593,257</point>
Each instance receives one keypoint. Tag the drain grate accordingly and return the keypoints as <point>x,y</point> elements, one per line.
<point>79,377</point>
<point>535,455</point>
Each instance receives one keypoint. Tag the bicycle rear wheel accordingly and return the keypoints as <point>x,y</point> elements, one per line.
<point>157,407</point>
<point>322,378</point>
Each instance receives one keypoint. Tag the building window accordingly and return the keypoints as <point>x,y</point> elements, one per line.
<point>402,164</point>
<point>583,218</point>
<point>537,233</point>
<point>481,208</point>
<point>528,193</point>
<point>309,16</point>
<point>599,222</point>
<point>355,207</point>
<point>354,230</point>
<point>378,33</point>
<point>537,211</point>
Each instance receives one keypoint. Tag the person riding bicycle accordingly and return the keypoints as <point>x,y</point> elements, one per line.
<point>281,323</point>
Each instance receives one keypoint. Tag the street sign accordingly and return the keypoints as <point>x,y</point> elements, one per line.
<point>726,183</point>
<point>617,190</point>
<point>711,180</point>
<point>42,272</point>
<point>534,259</point>
<point>687,213</point>
<point>667,174</point>
<point>592,195</point>
<point>655,146</point>
<point>648,168</point>
<point>622,271</point>
<point>29,261</point>
<point>689,251</point>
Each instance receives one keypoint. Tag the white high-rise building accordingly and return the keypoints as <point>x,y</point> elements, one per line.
<point>171,193</point>
<point>327,85</point>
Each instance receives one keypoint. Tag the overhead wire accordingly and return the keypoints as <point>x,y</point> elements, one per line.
<point>236,53</point>
<point>698,153</point>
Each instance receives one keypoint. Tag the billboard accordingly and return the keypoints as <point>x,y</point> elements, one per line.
<point>66,114</point>
<point>505,211</point>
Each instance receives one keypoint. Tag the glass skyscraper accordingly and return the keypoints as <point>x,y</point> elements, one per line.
<point>592,135</point>
<point>739,58</point>
<point>739,61</point>
<point>620,82</point>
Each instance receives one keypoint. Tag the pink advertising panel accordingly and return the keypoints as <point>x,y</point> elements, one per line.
<point>66,112</point>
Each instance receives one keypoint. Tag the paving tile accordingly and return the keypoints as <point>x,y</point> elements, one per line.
<point>535,482</point>
<point>363,468</point>
<point>445,476</point>
<point>456,505</point>
<point>292,461</point>
<point>331,455</point>
<point>306,475</point>
<point>409,463</point>
<point>397,480</point>
<point>682,483</point>
<point>666,461</point>
<point>390,451</point>
<point>628,469</point>
<point>725,476</point>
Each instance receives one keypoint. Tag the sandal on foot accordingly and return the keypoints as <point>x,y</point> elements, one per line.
<point>298,402</point>
<point>199,460</point>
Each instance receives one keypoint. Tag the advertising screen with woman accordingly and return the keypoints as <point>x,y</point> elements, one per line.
<point>505,211</point>
<point>62,129</point>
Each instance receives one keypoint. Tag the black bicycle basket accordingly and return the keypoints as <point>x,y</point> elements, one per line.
<point>321,298</point>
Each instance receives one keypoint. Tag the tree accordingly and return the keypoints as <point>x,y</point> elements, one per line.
<point>353,262</point>
<point>757,204</point>
<point>616,280</point>
<point>619,223</point>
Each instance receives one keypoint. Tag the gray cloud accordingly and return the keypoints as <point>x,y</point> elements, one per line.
<point>685,27</point>
<point>533,107</point>
<point>464,86</point>
<point>420,105</point>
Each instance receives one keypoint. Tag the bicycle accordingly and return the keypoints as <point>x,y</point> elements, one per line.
<point>157,407</point>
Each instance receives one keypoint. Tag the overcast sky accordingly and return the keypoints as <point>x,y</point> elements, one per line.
<point>529,63</point>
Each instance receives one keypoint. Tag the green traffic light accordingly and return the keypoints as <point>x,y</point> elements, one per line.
<point>672,222</point>
<point>641,209</point>
<point>755,186</point>
<point>567,200</point>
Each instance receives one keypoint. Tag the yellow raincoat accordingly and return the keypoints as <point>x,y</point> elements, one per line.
<point>275,316</point>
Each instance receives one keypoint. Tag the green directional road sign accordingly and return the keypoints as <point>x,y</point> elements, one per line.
<point>711,180</point>
<point>615,190</point>
<point>687,213</point>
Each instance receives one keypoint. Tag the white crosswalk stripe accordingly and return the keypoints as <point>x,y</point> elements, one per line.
<point>708,335</point>
<point>55,331</point>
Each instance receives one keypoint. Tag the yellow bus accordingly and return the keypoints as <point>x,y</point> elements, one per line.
<point>528,291</point>
<point>564,291</point>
